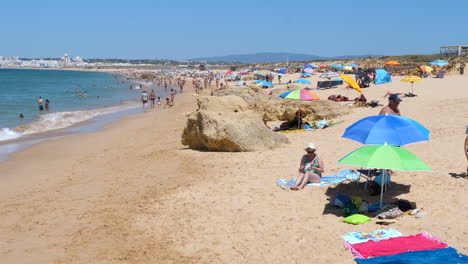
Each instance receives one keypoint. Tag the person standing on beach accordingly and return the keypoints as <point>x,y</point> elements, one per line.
<point>392,107</point>
<point>47,102</point>
<point>152,98</point>
<point>144,99</point>
<point>466,148</point>
<point>158,102</point>
<point>173,93</point>
<point>40,101</point>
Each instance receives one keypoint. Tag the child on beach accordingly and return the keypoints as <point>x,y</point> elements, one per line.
<point>158,102</point>
<point>168,103</point>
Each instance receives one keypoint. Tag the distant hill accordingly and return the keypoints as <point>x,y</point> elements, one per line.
<point>272,57</point>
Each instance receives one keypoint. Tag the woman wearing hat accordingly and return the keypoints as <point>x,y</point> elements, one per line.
<point>310,170</point>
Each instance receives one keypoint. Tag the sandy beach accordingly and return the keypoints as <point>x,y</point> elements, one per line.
<point>132,193</point>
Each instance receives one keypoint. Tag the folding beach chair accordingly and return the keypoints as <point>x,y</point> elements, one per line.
<point>441,74</point>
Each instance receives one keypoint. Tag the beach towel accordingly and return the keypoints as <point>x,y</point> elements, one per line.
<point>434,256</point>
<point>395,245</point>
<point>382,77</point>
<point>326,180</point>
<point>377,235</point>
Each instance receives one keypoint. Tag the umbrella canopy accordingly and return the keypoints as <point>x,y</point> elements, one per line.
<point>300,94</point>
<point>323,67</point>
<point>307,65</point>
<point>302,81</point>
<point>439,63</point>
<point>329,75</point>
<point>337,66</point>
<point>258,81</point>
<point>306,74</point>
<point>260,74</point>
<point>309,70</point>
<point>412,78</point>
<point>385,157</point>
<point>390,129</point>
<point>392,62</point>
<point>347,68</point>
<point>265,84</point>
<point>353,65</point>
<point>426,68</point>
<point>351,82</point>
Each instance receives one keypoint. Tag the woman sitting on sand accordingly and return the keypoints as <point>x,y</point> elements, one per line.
<point>310,170</point>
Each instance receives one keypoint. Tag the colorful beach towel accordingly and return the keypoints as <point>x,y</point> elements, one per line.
<point>377,235</point>
<point>395,245</point>
<point>326,180</point>
<point>435,256</point>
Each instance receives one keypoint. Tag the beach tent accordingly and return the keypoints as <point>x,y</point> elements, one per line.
<point>382,76</point>
<point>282,70</point>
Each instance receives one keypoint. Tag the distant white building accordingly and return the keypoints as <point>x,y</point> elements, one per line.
<point>66,59</point>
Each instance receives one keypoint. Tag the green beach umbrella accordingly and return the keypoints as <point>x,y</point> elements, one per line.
<point>384,157</point>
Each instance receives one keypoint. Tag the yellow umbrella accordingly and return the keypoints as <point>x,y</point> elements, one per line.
<point>411,79</point>
<point>351,82</point>
<point>347,68</point>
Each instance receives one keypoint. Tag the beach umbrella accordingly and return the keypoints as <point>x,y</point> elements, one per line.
<point>353,65</point>
<point>337,66</point>
<point>301,95</point>
<point>392,62</point>
<point>265,84</point>
<point>426,68</point>
<point>309,70</point>
<point>351,82</point>
<point>384,157</point>
<point>438,63</point>
<point>411,79</point>
<point>260,74</point>
<point>258,81</point>
<point>303,81</point>
<point>347,68</point>
<point>391,129</point>
<point>329,75</point>
<point>307,65</point>
<point>322,67</point>
<point>306,74</point>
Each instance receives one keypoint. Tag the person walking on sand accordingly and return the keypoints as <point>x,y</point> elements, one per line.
<point>144,99</point>
<point>392,107</point>
<point>173,93</point>
<point>310,168</point>
<point>152,98</point>
<point>40,101</point>
<point>47,102</point>
<point>466,148</point>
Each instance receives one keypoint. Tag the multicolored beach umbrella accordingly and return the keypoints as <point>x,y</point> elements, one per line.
<point>412,79</point>
<point>426,68</point>
<point>438,63</point>
<point>300,94</point>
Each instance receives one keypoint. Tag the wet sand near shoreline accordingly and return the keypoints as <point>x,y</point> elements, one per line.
<point>133,194</point>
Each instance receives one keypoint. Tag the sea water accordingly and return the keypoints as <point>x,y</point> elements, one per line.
<point>20,91</point>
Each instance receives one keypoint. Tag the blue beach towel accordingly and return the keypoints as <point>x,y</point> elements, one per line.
<point>377,235</point>
<point>382,76</point>
<point>326,181</point>
<point>434,256</point>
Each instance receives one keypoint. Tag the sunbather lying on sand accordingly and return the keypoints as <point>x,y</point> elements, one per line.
<point>310,169</point>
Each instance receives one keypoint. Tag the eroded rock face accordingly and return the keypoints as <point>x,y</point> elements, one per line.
<point>310,111</point>
<point>225,123</point>
<point>251,95</point>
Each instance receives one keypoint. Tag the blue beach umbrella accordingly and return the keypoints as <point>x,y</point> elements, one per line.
<point>306,74</point>
<point>336,66</point>
<point>438,63</point>
<point>260,74</point>
<point>259,81</point>
<point>353,65</point>
<point>307,65</point>
<point>387,129</point>
<point>303,81</point>
<point>266,84</point>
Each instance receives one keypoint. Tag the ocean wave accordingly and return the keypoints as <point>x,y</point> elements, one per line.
<point>8,134</point>
<point>58,120</point>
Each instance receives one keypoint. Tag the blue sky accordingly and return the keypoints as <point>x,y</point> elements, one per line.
<point>178,29</point>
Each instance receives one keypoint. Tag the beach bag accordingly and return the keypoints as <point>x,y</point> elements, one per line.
<point>340,200</point>
<point>357,219</point>
<point>322,123</point>
<point>373,188</point>
<point>374,103</point>
<point>404,205</point>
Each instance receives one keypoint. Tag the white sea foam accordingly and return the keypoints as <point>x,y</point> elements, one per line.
<point>8,134</point>
<point>58,120</point>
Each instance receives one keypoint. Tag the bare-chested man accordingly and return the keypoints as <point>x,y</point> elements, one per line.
<point>392,107</point>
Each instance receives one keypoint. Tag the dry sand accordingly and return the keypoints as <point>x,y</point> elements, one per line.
<point>133,194</point>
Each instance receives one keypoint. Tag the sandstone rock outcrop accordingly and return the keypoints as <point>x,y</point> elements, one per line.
<point>225,123</point>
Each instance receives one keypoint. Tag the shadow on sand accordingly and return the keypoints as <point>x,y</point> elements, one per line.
<point>352,189</point>
<point>459,175</point>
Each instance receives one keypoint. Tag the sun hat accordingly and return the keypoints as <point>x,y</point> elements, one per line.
<point>310,146</point>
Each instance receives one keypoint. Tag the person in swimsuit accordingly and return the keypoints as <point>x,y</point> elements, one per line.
<point>152,98</point>
<point>392,107</point>
<point>310,169</point>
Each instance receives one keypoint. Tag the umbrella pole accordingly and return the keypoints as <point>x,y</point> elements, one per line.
<point>299,118</point>
<point>382,187</point>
